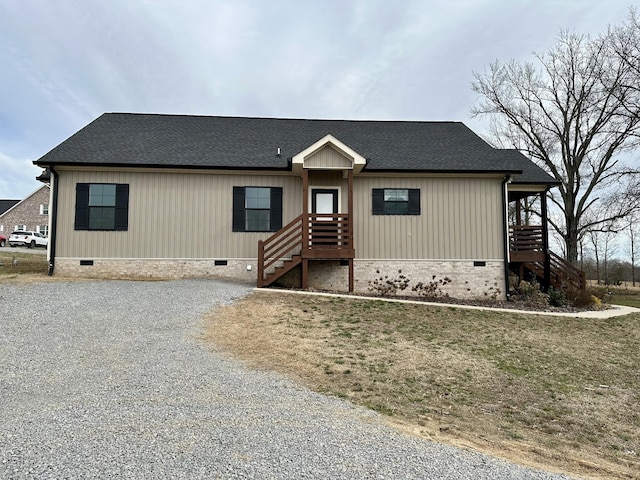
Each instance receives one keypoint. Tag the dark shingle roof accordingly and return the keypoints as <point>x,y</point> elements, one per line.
<point>531,173</point>
<point>6,205</point>
<point>126,139</point>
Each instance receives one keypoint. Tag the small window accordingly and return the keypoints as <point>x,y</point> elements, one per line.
<point>396,201</point>
<point>43,229</point>
<point>257,209</point>
<point>44,209</point>
<point>102,206</point>
<point>257,202</point>
<point>21,227</point>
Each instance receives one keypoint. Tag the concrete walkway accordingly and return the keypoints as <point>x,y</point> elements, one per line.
<point>613,311</point>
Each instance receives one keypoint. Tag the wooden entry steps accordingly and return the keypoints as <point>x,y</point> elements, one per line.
<point>562,275</point>
<point>308,237</point>
<point>528,251</point>
<point>279,271</point>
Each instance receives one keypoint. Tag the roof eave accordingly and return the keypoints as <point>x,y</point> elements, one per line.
<point>160,166</point>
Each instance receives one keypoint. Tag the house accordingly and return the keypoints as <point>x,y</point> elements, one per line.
<point>31,213</point>
<point>323,204</point>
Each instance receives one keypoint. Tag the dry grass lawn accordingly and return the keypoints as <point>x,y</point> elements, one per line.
<point>553,392</point>
<point>26,264</point>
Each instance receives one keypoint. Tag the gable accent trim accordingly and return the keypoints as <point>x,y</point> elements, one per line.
<point>357,161</point>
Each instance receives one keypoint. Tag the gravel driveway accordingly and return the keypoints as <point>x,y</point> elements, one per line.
<point>108,379</point>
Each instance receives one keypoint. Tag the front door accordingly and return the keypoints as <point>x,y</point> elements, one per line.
<point>324,200</point>
<point>325,229</point>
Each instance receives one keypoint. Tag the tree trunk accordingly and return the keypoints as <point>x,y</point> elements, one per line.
<point>571,240</point>
<point>633,256</point>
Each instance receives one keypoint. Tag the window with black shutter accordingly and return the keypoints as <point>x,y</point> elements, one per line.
<point>257,209</point>
<point>102,206</point>
<point>396,201</point>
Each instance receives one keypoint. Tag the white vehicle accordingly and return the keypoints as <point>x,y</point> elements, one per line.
<point>27,239</point>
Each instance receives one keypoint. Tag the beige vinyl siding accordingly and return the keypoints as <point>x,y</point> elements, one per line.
<point>324,178</point>
<point>461,218</point>
<point>189,215</point>
<point>171,215</point>
<point>328,157</point>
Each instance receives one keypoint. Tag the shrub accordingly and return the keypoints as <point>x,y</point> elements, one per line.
<point>384,285</point>
<point>432,289</point>
<point>492,292</point>
<point>529,289</point>
<point>586,298</point>
<point>557,297</point>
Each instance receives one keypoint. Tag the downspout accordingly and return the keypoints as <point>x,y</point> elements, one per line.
<point>505,219</point>
<point>53,211</point>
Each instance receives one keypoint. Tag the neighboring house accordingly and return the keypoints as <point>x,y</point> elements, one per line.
<point>324,204</point>
<point>31,213</point>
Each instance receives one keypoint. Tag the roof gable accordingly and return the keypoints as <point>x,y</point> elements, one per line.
<point>6,205</point>
<point>302,160</point>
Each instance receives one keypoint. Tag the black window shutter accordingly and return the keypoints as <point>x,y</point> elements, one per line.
<point>82,207</point>
<point>238,210</point>
<point>377,201</point>
<point>122,207</point>
<point>276,208</point>
<point>414,201</point>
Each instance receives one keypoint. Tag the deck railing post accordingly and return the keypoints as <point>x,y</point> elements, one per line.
<point>260,263</point>
<point>305,231</point>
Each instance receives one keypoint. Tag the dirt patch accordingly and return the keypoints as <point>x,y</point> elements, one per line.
<point>557,393</point>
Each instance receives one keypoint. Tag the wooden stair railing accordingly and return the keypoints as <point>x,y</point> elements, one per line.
<point>285,244</point>
<point>525,238</point>
<point>311,236</point>
<point>566,273</point>
<point>563,275</point>
<point>330,231</point>
<point>526,243</point>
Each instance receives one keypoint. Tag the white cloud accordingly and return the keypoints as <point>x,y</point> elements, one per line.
<point>17,177</point>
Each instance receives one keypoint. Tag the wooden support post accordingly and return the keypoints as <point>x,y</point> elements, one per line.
<point>351,225</point>
<point>305,273</point>
<point>350,193</point>
<point>351,275</point>
<point>305,190</point>
<point>545,242</point>
<point>305,210</point>
<point>260,263</point>
<point>520,274</point>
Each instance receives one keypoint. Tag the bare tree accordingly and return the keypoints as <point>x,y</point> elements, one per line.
<point>577,114</point>
<point>602,238</point>
<point>633,233</point>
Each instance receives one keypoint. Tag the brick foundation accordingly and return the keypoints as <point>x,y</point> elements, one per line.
<point>157,268</point>
<point>468,279</point>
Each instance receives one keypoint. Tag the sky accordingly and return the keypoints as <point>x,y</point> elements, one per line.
<point>65,62</point>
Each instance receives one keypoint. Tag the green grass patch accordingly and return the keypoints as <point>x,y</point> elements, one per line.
<point>18,263</point>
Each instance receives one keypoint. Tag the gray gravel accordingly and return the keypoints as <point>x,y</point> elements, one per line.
<point>108,379</point>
